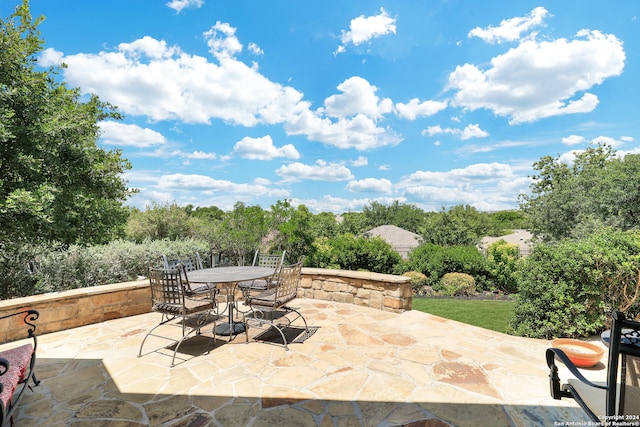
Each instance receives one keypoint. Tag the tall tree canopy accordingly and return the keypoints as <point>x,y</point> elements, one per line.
<point>599,188</point>
<point>55,183</point>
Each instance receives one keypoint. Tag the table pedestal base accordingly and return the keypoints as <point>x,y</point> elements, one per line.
<point>227,329</point>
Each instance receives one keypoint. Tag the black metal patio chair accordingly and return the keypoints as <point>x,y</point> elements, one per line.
<point>273,260</point>
<point>171,298</point>
<point>270,307</point>
<point>186,265</point>
<point>612,402</point>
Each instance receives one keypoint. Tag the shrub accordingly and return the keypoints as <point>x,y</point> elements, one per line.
<point>435,261</point>
<point>456,285</point>
<point>418,280</point>
<point>17,263</point>
<point>60,268</point>
<point>570,289</point>
<point>502,259</point>
<point>354,253</point>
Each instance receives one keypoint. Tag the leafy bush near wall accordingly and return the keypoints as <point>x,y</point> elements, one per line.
<point>456,285</point>
<point>569,289</point>
<point>59,269</point>
<point>16,266</point>
<point>354,253</point>
<point>418,280</point>
<point>502,259</point>
<point>435,261</point>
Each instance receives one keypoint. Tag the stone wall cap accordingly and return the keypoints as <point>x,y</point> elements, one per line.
<point>353,274</point>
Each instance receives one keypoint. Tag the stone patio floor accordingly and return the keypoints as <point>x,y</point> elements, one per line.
<point>363,367</point>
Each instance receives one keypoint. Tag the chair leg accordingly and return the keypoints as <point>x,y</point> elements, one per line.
<point>284,339</point>
<point>202,319</point>
<point>150,333</point>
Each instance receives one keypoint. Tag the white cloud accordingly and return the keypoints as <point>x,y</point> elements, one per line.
<point>360,132</point>
<point>179,5</point>
<point>320,171</point>
<point>338,205</point>
<point>573,140</point>
<point>360,161</point>
<point>627,138</point>
<point>415,108</point>
<point>358,97</point>
<point>541,79</point>
<point>194,155</point>
<point>370,185</point>
<point>121,135</point>
<point>255,49</point>
<point>362,29</point>
<point>511,29</point>
<point>486,186</point>
<point>211,185</point>
<point>148,78</point>
<point>471,131</point>
<point>222,41</point>
<point>263,149</point>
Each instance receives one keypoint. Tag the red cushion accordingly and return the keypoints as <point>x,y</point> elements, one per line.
<point>18,359</point>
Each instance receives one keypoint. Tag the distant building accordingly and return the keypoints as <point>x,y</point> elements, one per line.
<point>401,240</point>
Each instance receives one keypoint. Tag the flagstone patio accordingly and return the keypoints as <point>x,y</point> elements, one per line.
<point>363,367</point>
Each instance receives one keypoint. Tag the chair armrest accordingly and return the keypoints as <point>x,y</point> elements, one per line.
<point>557,391</point>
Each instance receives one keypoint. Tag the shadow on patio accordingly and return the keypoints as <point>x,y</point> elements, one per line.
<point>362,367</point>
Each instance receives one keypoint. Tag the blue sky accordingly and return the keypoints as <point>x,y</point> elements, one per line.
<point>338,104</point>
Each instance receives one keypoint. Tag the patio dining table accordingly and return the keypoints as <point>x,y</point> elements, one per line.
<point>229,277</point>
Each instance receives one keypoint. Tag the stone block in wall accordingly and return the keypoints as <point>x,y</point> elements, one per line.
<point>363,293</point>
<point>59,312</point>
<point>330,286</point>
<point>109,298</point>
<point>376,300</point>
<point>374,286</point>
<point>393,291</point>
<point>306,283</point>
<point>391,302</point>
<point>321,295</point>
<point>342,297</point>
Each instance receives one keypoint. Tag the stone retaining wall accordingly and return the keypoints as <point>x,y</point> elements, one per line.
<point>78,307</point>
<point>381,291</point>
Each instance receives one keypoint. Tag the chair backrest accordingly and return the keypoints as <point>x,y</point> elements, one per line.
<point>189,263</point>
<point>166,287</point>
<point>288,280</point>
<point>624,367</point>
<point>268,260</point>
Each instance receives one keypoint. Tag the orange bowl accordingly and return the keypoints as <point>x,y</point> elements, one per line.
<point>583,354</point>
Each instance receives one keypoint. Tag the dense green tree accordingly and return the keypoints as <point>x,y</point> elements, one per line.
<point>353,223</point>
<point>599,188</point>
<point>502,222</point>
<point>55,183</point>
<point>211,213</point>
<point>159,221</point>
<point>324,224</point>
<point>292,228</point>
<point>460,225</point>
<point>405,216</point>
<point>241,232</point>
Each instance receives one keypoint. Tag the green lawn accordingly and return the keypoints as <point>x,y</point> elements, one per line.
<point>488,314</point>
